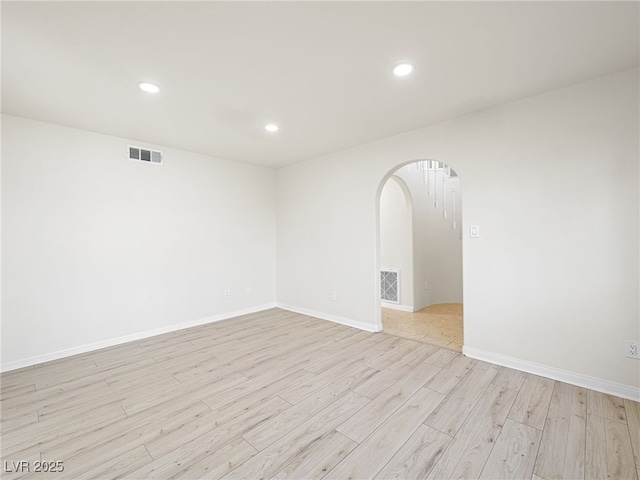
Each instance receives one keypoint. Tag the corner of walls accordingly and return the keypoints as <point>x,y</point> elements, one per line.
<point>320,231</point>
<point>397,306</point>
<point>437,247</point>
<point>349,322</point>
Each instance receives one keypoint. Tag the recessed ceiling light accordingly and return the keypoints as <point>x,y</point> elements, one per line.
<point>271,127</point>
<point>403,69</point>
<point>149,87</point>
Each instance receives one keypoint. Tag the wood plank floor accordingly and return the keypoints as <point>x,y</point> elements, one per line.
<point>281,395</point>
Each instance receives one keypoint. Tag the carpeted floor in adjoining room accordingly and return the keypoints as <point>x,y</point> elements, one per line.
<point>439,324</point>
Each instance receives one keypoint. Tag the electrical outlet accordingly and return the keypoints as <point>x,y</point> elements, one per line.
<point>227,293</point>
<point>332,296</point>
<point>632,349</point>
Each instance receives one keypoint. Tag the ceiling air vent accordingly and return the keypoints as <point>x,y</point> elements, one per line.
<point>145,155</point>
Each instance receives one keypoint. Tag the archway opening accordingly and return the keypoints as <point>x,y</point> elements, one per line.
<point>419,254</point>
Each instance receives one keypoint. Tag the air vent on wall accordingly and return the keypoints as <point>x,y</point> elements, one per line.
<point>390,285</point>
<point>145,155</point>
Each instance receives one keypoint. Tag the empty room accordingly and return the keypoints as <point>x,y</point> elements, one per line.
<point>304,240</point>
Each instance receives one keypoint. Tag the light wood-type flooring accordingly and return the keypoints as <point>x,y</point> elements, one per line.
<point>439,324</point>
<point>281,395</point>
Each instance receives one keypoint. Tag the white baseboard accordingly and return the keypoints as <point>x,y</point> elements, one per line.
<point>47,357</point>
<point>586,381</point>
<point>349,322</point>
<point>397,306</point>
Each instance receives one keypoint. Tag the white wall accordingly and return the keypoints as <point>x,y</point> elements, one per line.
<point>551,180</point>
<point>396,238</point>
<point>97,247</point>
<point>437,247</point>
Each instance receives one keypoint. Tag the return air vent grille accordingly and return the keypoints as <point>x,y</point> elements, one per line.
<point>145,155</point>
<point>390,285</point>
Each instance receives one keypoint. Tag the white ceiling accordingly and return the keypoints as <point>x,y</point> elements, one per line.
<point>322,70</point>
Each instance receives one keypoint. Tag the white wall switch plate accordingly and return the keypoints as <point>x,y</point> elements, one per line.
<point>474,231</point>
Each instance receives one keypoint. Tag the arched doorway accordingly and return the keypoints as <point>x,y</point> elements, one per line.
<point>420,284</point>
